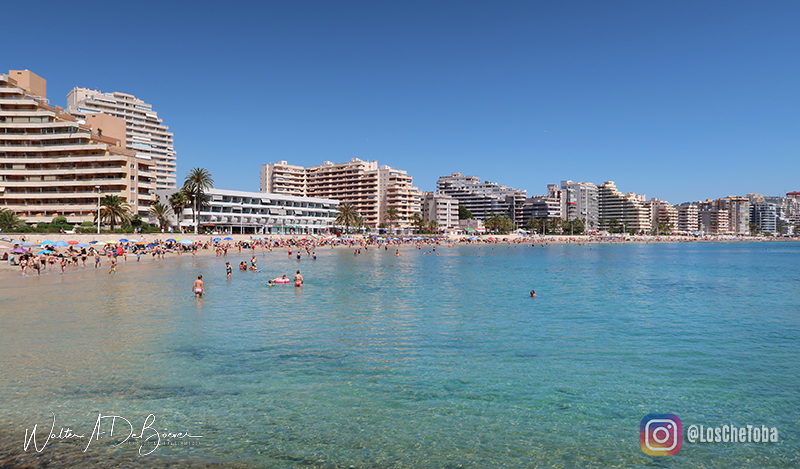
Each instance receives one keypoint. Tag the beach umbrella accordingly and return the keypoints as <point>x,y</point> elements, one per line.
<point>93,242</point>
<point>44,251</point>
<point>216,240</point>
<point>123,240</point>
<point>81,245</point>
<point>152,245</point>
<point>170,240</point>
<point>141,241</point>
<point>60,243</point>
<point>30,244</point>
<point>228,239</point>
<point>110,242</point>
<point>19,251</point>
<point>43,243</point>
<point>186,241</point>
<point>73,243</point>
<point>4,247</point>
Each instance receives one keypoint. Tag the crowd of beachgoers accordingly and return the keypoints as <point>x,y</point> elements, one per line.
<point>34,257</point>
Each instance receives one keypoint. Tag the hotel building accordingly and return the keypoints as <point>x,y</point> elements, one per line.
<point>51,164</point>
<point>443,209</point>
<point>371,189</point>
<point>145,132</point>
<point>484,199</point>
<point>662,213</point>
<point>259,213</point>
<point>579,201</point>
<point>630,210</point>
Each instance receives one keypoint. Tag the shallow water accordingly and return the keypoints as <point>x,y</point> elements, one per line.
<point>413,361</point>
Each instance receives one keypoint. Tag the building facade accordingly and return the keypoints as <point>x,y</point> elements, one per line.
<point>52,165</point>
<point>688,221</point>
<point>443,209</point>
<point>765,217</point>
<point>713,221</point>
<point>370,188</point>
<point>484,199</point>
<point>259,213</point>
<point>629,211</point>
<point>579,201</point>
<point>662,214</point>
<point>541,207</point>
<point>146,133</point>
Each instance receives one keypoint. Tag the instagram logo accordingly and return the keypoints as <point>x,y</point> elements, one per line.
<point>661,434</point>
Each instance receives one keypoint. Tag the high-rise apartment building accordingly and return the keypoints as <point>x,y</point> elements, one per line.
<point>443,209</point>
<point>579,201</point>
<point>662,213</point>
<point>541,207</point>
<point>630,210</point>
<point>765,217</point>
<point>484,199</point>
<point>370,188</point>
<point>688,217</point>
<point>52,165</point>
<point>738,209</point>
<point>145,132</point>
<point>713,221</point>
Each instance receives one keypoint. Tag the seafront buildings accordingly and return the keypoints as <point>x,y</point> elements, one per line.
<point>662,213</point>
<point>579,201</point>
<point>259,213</point>
<point>630,211</point>
<point>688,218</point>
<point>440,208</point>
<point>370,188</point>
<point>484,199</point>
<point>52,165</point>
<point>146,134</point>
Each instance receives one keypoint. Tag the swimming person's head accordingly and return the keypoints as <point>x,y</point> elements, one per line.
<point>199,277</point>
<point>298,271</point>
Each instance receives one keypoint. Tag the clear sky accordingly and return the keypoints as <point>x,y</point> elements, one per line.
<point>678,100</point>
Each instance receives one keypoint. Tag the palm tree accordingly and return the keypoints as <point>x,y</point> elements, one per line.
<point>417,221</point>
<point>391,214</point>
<point>114,209</point>
<point>161,213</point>
<point>177,202</point>
<point>9,219</point>
<point>433,225</point>
<point>197,181</point>
<point>347,216</point>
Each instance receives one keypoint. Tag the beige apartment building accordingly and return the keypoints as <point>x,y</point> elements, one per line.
<point>370,188</point>
<point>630,210</point>
<point>441,208</point>
<point>146,133</point>
<point>662,213</point>
<point>51,163</point>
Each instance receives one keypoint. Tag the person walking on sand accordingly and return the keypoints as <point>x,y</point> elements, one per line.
<point>298,279</point>
<point>199,289</point>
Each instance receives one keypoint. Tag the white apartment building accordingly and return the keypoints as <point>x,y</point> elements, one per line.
<point>52,165</point>
<point>765,217</point>
<point>484,199</point>
<point>370,188</point>
<point>541,207</point>
<point>146,133</point>
<point>579,201</point>
<point>443,209</point>
<point>630,210</point>
<point>713,221</point>
<point>259,213</point>
<point>662,213</point>
<point>687,217</point>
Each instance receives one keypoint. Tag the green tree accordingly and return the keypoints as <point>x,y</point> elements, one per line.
<point>391,214</point>
<point>347,216</point>
<point>197,181</point>
<point>59,220</point>
<point>9,220</point>
<point>463,213</point>
<point>113,210</point>
<point>417,222</point>
<point>500,224</point>
<point>160,212</point>
<point>433,225</point>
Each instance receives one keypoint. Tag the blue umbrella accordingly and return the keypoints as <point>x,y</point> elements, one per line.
<point>228,239</point>
<point>170,240</point>
<point>187,241</point>
<point>123,240</point>
<point>93,242</point>
<point>44,243</point>
<point>216,240</point>
<point>152,245</point>
<point>81,245</point>
<point>60,243</point>
<point>44,251</point>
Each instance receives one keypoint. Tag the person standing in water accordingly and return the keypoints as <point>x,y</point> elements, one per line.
<point>198,287</point>
<point>298,279</point>
<point>533,294</point>
<point>228,269</point>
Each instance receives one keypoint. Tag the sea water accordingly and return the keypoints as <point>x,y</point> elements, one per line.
<point>439,360</point>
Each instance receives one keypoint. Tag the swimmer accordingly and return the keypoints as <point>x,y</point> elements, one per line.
<point>271,283</point>
<point>397,252</point>
<point>228,269</point>
<point>533,294</point>
<point>198,287</point>
<point>298,279</point>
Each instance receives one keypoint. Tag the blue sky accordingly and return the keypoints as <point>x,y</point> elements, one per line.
<point>678,100</point>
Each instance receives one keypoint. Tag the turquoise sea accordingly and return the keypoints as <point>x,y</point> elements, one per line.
<point>418,361</point>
